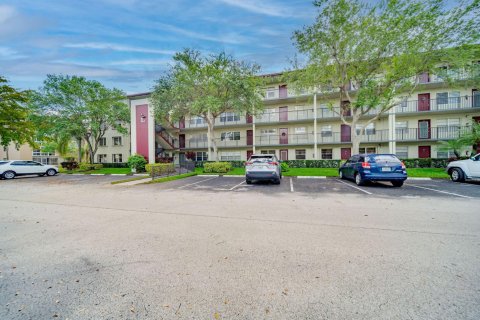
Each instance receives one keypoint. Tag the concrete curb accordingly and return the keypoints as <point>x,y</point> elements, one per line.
<point>208,175</point>
<point>311,177</point>
<point>419,178</point>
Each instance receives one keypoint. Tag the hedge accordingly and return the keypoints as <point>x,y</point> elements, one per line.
<point>217,167</point>
<point>90,166</point>
<point>115,165</point>
<point>157,169</point>
<point>234,164</point>
<point>426,163</point>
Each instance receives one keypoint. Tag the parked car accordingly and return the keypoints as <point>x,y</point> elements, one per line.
<point>374,167</point>
<point>461,170</point>
<point>263,167</point>
<point>12,168</point>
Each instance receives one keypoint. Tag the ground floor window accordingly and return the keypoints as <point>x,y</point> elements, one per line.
<point>117,158</point>
<point>230,156</point>
<point>402,152</point>
<point>201,156</point>
<point>300,154</point>
<point>267,152</point>
<point>367,150</point>
<point>327,154</point>
<point>101,158</point>
<point>46,160</point>
<point>445,154</point>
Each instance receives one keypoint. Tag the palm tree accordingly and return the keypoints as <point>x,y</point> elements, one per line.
<point>455,145</point>
<point>472,138</point>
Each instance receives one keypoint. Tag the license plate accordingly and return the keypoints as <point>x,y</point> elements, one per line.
<point>386,169</point>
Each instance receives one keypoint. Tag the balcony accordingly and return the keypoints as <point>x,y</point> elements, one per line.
<point>432,133</point>
<point>428,105</point>
<point>279,140</point>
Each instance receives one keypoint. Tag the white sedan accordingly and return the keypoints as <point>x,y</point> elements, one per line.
<point>11,168</point>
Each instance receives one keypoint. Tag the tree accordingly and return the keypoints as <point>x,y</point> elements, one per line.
<point>206,87</point>
<point>372,53</point>
<point>472,138</point>
<point>456,145</point>
<point>15,124</point>
<point>73,107</point>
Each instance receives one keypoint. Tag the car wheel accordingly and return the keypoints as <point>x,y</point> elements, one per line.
<point>397,183</point>
<point>248,181</point>
<point>340,174</point>
<point>51,172</point>
<point>276,181</point>
<point>358,180</point>
<point>457,175</point>
<point>9,175</point>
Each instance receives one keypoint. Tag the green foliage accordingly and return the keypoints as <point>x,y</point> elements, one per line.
<point>137,162</point>
<point>15,116</point>
<point>72,107</point>
<point>285,167</point>
<point>90,166</point>
<point>234,164</point>
<point>455,145</point>
<point>158,169</point>
<point>425,163</point>
<point>472,138</point>
<point>217,167</point>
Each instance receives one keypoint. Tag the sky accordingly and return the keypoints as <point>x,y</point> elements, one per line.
<point>127,44</point>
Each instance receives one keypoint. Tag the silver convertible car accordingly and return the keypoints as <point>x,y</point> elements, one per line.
<point>12,168</point>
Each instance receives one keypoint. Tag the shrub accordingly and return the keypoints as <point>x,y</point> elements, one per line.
<point>217,167</point>
<point>137,162</point>
<point>285,166</point>
<point>158,169</point>
<point>90,166</point>
<point>116,165</point>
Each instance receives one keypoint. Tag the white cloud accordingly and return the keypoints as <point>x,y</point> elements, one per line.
<point>140,62</point>
<point>6,12</point>
<point>262,7</point>
<point>116,47</point>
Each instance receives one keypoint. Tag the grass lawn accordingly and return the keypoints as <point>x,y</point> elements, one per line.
<point>171,178</point>
<point>101,171</point>
<point>333,172</point>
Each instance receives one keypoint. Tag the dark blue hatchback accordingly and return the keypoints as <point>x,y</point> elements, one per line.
<point>374,167</point>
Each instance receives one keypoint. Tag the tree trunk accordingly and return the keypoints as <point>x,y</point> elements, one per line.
<point>79,144</point>
<point>355,142</point>
<point>212,156</point>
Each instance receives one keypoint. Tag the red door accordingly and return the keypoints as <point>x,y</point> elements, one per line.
<point>181,124</point>
<point>249,137</point>
<point>283,92</point>
<point>181,141</point>
<point>345,153</point>
<point>249,118</point>
<point>345,133</point>
<point>424,102</point>
<point>249,154</point>
<point>284,154</point>
<point>424,152</point>
<point>424,130</point>
<point>283,113</point>
<point>284,136</point>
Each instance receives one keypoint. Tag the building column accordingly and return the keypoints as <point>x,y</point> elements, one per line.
<point>133,128</point>
<point>392,136</point>
<point>151,135</point>
<point>315,137</point>
<point>253,134</point>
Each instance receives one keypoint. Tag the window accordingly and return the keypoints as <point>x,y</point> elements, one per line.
<point>267,132</point>
<point>442,98</point>
<point>230,156</point>
<point>117,158</point>
<point>327,153</point>
<point>198,137</point>
<point>38,152</point>
<point>401,129</point>
<point>229,136</point>
<point>229,117</point>
<point>326,131</point>
<point>402,152</point>
<point>270,93</point>
<point>445,154</point>
<point>267,152</point>
<point>300,154</point>
<point>300,130</point>
<point>367,150</point>
<point>117,141</point>
<point>102,142</point>
<point>369,129</point>
<point>195,121</point>
<point>101,158</point>
<point>448,100</point>
<point>201,156</point>
<point>448,128</point>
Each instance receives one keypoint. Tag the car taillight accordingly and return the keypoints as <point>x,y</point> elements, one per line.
<point>248,163</point>
<point>365,165</point>
<point>275,163</point>
<point>403,166</point>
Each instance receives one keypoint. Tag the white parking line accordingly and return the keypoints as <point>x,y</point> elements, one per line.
<point>237,185</point>
<point>440,191</point>
<point>291,185</point>
<point>355,187</point>
<point>191,184</point>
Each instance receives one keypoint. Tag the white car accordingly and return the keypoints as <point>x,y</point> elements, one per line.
<point>464,169</point>
<point>11,168</point>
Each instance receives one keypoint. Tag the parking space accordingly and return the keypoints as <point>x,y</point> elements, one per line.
<point>324,187</point>
<point>81,179</point>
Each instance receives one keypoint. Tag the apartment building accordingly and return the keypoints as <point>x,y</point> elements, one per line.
<point>297,126</point>
<point>26,152</point>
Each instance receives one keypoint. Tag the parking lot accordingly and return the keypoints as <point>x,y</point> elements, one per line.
<point>318,187</point>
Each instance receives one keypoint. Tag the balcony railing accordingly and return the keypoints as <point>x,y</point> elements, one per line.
<point>451,103</point>
<point>289,139</point>
<point>432,133</point>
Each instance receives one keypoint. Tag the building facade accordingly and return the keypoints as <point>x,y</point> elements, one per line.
<point>298,126</point>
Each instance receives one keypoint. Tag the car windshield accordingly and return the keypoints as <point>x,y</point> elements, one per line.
<point>384,158</point>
